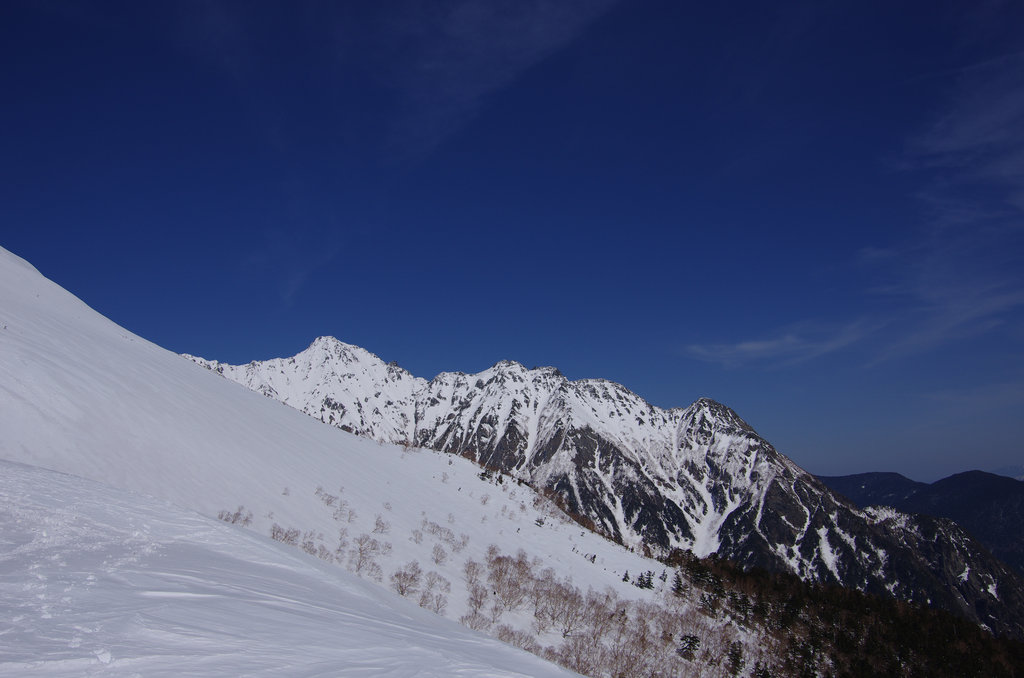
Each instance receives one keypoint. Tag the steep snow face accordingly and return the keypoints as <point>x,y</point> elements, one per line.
<point>354,389</point>
<point>698,478</point>
<point>98,580</point>
<point>80,395</point>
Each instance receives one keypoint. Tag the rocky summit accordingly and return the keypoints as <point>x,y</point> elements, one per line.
<point>698,478</point>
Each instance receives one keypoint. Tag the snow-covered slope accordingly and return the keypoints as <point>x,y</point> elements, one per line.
<point>80,395</point>
<point>697,478</point>
<point>96,580</point>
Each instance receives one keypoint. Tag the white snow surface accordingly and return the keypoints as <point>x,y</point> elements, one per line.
<point>83,396</point>
<point>347,386</point>
<point>100,581</point>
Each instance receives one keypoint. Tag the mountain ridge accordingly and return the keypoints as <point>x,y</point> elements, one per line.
<point>988,505</point>
<point>696,478</point>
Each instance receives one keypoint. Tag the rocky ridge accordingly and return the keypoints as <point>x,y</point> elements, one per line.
<point>698,478</point>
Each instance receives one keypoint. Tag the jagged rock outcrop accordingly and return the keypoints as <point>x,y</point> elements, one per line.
<point>697,478</point>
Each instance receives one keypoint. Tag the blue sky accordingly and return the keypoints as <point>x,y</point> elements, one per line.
<point>811,213</point>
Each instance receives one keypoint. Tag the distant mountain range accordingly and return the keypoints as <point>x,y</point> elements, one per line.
<point>696,479</point>
<point>989,506</point>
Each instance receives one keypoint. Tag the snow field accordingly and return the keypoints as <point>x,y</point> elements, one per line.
<point>80,395</point>
<point>98,581</point>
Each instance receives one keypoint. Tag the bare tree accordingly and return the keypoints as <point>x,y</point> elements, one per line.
<point>477,598</point>
<point>363,556</point>
<point>540,597</point>
<point>288,536</point>
<point>510,578</point>
<point>569,608</point>
<point>475,621</point>
<point>520,639</point>
<point>472,571</point>
<point>406,580</point>
<point>435,593</point>
<point>239,517</point>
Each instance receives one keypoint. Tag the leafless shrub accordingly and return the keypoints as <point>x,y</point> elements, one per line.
<point>477,598</point>
<point>381,526</point>
<point>569,608</point>
<point>308,543</point>
<point>329,500</point>
<point>443,533</point>
<point>417,537</point>
<point>406,580</point>
<point>439,555</point>
<point>495,612</point>
<point>509,578</point>
<point>520,639</point>
<point>539,591</point>
<point>342,542</point>
<point>582,654</point>
<point>435,593</point>
<point>475,621</point>
<point>239,517</point>
<point>288,536</point>
<point>472,571</point>
<point>462,543</point>
<point>324,553</point>
<point>363,556</point>
<point>602,608</point>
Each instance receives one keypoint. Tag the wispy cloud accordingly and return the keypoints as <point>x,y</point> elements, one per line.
<point>796,344</point>
<point>289,257</point>
<point>961,277</point>
<point>977,141</point>
<point>950,287</point>
<point>460,51</point>
<point>986,397</point>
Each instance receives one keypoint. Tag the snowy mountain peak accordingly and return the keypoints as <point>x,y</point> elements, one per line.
<point>697,478</point>
<point>80,394</point>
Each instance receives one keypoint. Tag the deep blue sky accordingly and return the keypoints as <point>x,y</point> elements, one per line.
<point>811,212</point>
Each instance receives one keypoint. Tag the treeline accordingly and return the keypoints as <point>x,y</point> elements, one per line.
<point>833,631</point>
<point>704,617</point>
<point>598,633</point>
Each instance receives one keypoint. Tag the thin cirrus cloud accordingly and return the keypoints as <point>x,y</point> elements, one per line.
<point>288,257</point>
<point>456,53</point>
<point>945,293</point>
<point>962,277</point>
<point>793,345</point>
<point>978,140</point>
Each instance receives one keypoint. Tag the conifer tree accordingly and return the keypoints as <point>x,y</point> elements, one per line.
<point>677,584</point>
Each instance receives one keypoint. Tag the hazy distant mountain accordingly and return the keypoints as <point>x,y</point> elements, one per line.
<point>874,489</point>
<point>696,478</point>
<point>989,506</point>
<point>1015,471</point>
